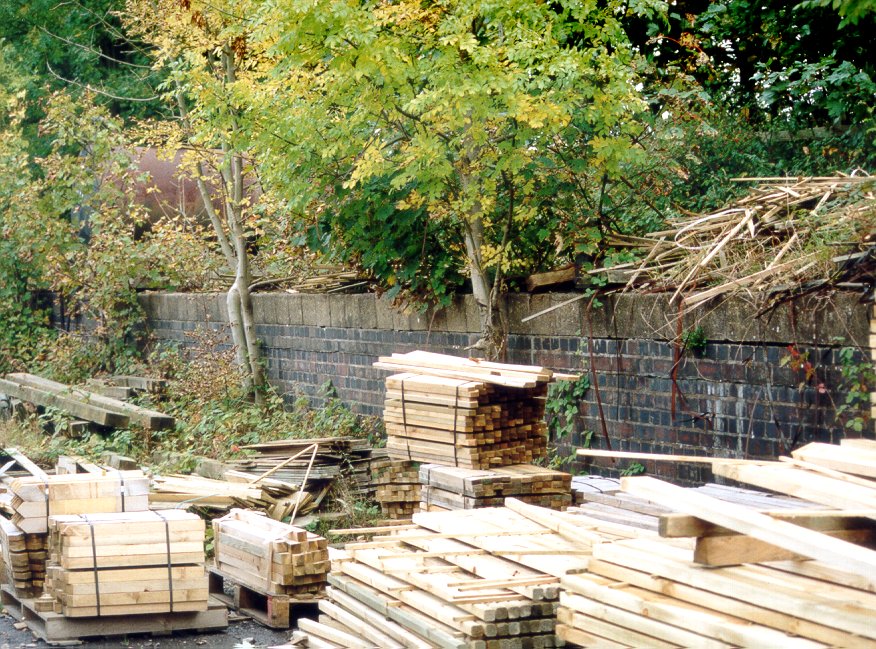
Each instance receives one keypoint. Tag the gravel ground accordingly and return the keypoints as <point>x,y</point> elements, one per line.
<point>234,635</point>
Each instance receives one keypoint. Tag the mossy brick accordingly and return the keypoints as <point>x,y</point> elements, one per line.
<point>518,308</point>
<point>291,309</point>
<point>315,309</point>
<point>385,312</point>
<point>365,309</point>
<point>543,325</point>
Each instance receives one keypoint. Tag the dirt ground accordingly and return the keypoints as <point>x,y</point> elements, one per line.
<point>238,634</point>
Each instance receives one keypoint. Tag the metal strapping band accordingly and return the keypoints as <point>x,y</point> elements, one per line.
<point>455,415</point>
<point>122,488</point>
<point>46,495</point>
<point>169,564</point>
<point>405,422</point>
<point>94,562</point>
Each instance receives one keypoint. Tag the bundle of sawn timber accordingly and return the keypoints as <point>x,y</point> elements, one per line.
<point>397,487</point>
<point>269,556</point>
<point>127,563</point>
<point>464,412</point>
<point>445,487</point>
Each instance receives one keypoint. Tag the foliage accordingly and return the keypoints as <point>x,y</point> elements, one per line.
<point>465,111</point>
<point>73,46</point>
<point>214,416</point>
<point>634,468</point>
<point>775,68</point>
<point>563,406</point>
<point>72,229</point>
<point>694,339</point>
<point>858,382</point>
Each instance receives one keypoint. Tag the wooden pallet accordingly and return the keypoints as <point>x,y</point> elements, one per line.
<point>55,629</point>
<point>268,609</point>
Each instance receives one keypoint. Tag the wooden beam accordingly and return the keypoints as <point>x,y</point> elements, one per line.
<point>786,535</point>
<point>676,525</point>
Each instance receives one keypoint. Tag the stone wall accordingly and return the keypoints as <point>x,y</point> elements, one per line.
<point>738,397</point>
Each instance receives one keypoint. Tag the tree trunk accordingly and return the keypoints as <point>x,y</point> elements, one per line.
<point>485,294</point>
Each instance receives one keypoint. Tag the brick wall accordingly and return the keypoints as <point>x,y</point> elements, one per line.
<point>737,398</point>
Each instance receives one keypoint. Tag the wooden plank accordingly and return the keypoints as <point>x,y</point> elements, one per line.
<point>25,463</point>
<point>735,549</point>
<point>726,602</point>
<point>333,635</point>
<point>664,632</point>
<point>661,457</point>
<point>551,278</point>
<point>390,628</point>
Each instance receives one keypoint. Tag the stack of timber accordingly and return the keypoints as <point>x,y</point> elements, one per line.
<point>447,488</point>
<point>268,556</point>
<point>347,457</point>
<point>36,498</point>
<point>82,404</point>
<point>397,487</point>
<point>465,412</point>
<point>275,497</point>
<point>23,559</point>
<point>127,564</point>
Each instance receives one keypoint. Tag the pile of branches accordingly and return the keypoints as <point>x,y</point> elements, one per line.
<point>786,237</point>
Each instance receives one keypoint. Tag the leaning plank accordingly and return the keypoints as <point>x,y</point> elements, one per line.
<point>25,463</point>
<point>781,477</point>
<point>72,404</point>
<point>786,535</point>
<point>734,549</point>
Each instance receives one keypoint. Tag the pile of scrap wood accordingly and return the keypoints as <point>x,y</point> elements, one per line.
<point>465,412</point>
<point>446,487</point>
<point>269,556</point>
<point>347,457</point>
<point>772,239</point>
<point>127,564</point>
<point>397,487</point>
<point>82,403</point>
<point>276,497</point>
